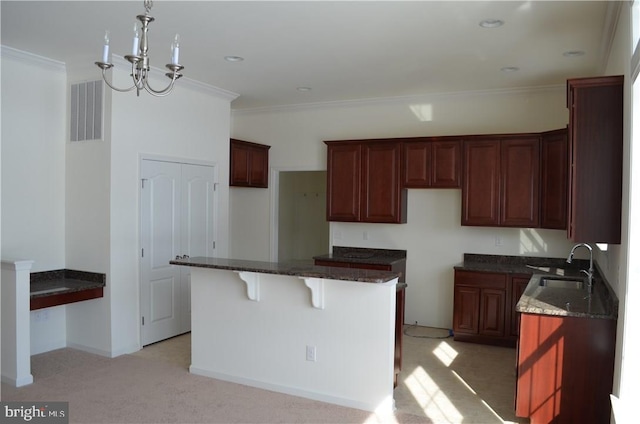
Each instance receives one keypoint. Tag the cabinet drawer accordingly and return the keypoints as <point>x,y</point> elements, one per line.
<point>488,280</point>
<point>320,262</point>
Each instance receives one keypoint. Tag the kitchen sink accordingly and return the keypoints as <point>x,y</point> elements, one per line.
<point>563,283</point>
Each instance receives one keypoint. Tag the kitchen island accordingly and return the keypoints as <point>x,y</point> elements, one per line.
<point>318,332</point>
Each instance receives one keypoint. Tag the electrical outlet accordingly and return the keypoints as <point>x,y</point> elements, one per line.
<point>498,240</point>
<point>42,315</point>
<point>311,353</point>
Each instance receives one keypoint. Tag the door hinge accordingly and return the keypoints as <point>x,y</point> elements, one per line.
<point>215,186</point>
<point>142,320</point>
<point>142,181</point>
<point>143,252</point>
<point>214,244</point>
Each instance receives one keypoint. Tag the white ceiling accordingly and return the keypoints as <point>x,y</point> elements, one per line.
<point>342,50</point>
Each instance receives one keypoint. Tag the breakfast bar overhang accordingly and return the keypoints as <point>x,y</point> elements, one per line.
<point>322,333</point>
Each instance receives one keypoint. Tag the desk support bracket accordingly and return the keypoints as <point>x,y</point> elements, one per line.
<point>252,280</point>
<point>317,291</point>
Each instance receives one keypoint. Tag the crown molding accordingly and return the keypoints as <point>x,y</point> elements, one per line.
<point>32,59</point>
<point>612,17</point>
<point>401,99</point>
<point>192,84</point>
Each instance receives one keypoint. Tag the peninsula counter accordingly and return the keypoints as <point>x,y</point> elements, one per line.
<point>323,333</point>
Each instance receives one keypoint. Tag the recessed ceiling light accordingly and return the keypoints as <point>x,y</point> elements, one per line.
<point>491,23</point>
<point>573,53</point>
<point>510,69</point>
<point>233,58</point>
<point>303,89</point>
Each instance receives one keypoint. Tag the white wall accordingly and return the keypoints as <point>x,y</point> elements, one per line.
<point>33,134</point>
<point>75,205</point>
<point>191,124</point>
<point>33,174</point>
<point>615,261</point>
<point>433,237</point>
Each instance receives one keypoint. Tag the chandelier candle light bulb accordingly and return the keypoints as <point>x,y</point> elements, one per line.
<point>175,50</point>
<point>136,40</point>
<point>105,48</point>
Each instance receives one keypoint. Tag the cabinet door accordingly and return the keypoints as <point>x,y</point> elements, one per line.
<point>518,284</point>
<point>446,164</point>
<point>240,164</point>
<point>554,180</point>
<point>492,312</point>
<point>259,175</point>
<point>520,177</point>
<point>383,198</point>
<point>481,183</point>
<point>595,130</point>
<point>343,182</point>
<point>417,164</point>
<point>466,310</point>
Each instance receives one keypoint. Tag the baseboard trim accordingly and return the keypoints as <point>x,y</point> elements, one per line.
<point>37,349</point>
<point>386,407</point>
<point>18,382</point>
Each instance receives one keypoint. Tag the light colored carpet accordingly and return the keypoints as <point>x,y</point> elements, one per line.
<point>442,382</point>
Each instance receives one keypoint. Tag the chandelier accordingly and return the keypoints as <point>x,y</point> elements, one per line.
<point>139,58</point>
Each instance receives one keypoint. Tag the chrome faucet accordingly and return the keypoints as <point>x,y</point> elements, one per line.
<point>590,271</point>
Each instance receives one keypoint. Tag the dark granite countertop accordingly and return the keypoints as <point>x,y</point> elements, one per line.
<point>364,255</point>
<point>568,302</point>
<point>62,281</point>
<point>550,300</point>
<point>521,264</point>
<point>296,268</point>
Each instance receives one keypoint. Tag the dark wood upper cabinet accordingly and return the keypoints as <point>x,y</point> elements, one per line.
<point>417,163</point>
<point>501,181</point>
<point>554,174</point>
<point>481,183</point>
<point>432,163</point>
<point>364,182</point>
<point>447,164</point>
<point>249,164</point>
<point>344,172</point>
<point>520,180</point>
<point>595,152</point>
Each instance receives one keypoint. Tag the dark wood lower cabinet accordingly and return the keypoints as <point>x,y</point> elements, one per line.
<point>565,369</point>
<point>518,284</point>
<point>484,306</point>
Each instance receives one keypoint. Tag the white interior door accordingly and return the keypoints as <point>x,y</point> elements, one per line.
<point>160,239</point>
<point>197,226</point>
<point>177,218</point>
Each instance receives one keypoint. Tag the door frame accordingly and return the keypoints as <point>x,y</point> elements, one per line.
<point>274,208</point>
<point>159,158</point>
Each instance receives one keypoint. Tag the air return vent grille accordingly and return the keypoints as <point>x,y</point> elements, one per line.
<point>86,111</point>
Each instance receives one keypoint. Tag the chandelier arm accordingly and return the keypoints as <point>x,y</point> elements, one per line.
<point>104,77</point>
<point>160,93</point>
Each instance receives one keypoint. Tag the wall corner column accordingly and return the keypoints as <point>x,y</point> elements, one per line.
<point>16,325</point>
